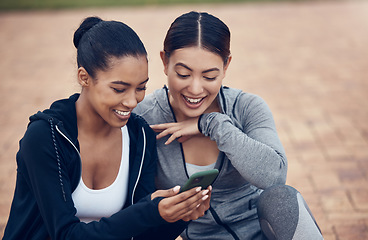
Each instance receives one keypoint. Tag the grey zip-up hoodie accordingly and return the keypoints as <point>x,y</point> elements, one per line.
<point>251,158</point>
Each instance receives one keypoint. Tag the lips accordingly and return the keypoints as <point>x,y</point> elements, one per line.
<point>193,102</point>
<point>122,113</point>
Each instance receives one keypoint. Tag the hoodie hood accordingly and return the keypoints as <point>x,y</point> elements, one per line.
<point>56,114</point>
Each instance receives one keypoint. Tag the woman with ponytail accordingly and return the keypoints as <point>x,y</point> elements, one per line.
<point>203,125</point>
<point>86,165</point>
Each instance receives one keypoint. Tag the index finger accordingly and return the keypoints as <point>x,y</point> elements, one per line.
<point>162,126</point>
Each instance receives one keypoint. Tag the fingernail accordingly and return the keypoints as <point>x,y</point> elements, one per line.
<point>198,189</point>
<point>205,197</point>
<point>205,192</point>
<point>210,187</point>
<point>176,188</point>
<point>198,205</point>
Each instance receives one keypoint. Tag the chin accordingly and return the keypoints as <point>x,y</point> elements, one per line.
<point>193,114</point>
<point>120,124</point>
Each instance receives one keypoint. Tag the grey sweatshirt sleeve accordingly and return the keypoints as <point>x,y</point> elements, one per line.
<point>253,146</point>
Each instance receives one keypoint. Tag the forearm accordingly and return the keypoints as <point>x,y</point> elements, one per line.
<point>134,220</point>
<point>127,223</point>
<point>260,161</point>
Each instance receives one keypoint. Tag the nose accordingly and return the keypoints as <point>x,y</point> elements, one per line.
<point>195,87</point>
<point>130,100</point>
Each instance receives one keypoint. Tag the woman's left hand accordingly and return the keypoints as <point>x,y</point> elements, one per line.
<point>178,130</point>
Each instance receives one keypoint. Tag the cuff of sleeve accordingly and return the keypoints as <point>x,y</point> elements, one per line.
<point>203,122</point>
<point>199,123</point>
<point>156,201</point>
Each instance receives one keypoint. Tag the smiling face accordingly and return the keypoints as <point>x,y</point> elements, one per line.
<point>194,79</point>
<point>114,93</point>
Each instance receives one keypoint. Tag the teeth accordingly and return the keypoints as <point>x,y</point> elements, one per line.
<point>193,100</point>
<point>122,113</point>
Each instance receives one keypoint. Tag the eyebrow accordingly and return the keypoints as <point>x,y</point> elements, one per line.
<point>128,84</point>
<point>205,71</point>
<point>184,66</point>
<point>211,70</point>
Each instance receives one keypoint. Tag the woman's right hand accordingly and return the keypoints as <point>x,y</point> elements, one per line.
<point>181,131</point>
<point>188,205</point>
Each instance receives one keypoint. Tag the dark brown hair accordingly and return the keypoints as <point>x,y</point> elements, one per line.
<point>97,41</point>
<point>198,29</point>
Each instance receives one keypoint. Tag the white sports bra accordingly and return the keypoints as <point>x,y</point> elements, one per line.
<point>192,168</point>
<point>92,204</point>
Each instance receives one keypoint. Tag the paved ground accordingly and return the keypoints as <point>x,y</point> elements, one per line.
<point>309,61</point>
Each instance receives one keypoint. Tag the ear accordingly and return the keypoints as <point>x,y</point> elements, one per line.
<point>84,78</point>
<point>228,62</point>
<point>165,61</point>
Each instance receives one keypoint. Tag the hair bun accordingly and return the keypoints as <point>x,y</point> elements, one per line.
<point>87,24</point>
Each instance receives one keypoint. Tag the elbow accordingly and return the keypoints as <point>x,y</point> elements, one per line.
<point>274,179</point>
<point>275,176</point>
<point>280,180</point>
<point>282,173</point>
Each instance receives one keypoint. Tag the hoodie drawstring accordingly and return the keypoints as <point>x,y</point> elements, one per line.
<point>57,157</point>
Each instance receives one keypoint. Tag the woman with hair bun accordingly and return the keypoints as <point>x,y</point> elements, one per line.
<point>86,165</point>
<point>204,125</point>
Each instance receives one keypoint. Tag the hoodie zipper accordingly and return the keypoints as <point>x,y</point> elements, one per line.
<point>141,166</point>
<point>219,222</point>
<point>57,158</point>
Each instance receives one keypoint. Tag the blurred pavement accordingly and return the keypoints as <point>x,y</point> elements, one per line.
<point>308,60</point>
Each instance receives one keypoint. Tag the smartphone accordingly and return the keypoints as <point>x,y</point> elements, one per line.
<point>200,179</point>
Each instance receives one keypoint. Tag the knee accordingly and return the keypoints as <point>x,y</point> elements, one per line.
<point>281,210</point>
<point>277,195</point>
<point>278,211</point>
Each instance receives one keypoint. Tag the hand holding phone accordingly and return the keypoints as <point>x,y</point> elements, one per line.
<point>200,179</point>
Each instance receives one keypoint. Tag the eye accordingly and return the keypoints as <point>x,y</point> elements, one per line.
<point>182,76</point>
<point>210,78</point>
<point>142,88</point>
<point>118,90</point>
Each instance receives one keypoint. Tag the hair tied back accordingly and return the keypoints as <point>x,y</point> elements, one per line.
<point>86,25</point>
